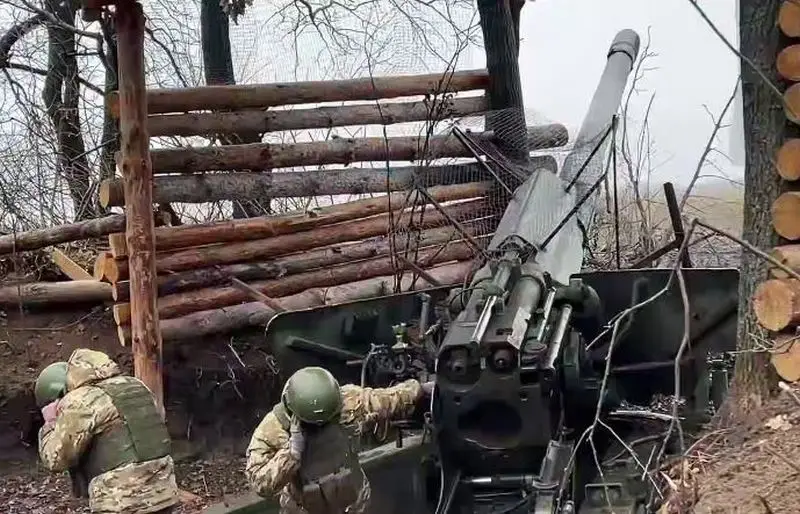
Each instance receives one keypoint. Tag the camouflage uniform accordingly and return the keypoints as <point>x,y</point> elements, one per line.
<point>270,466</point>
<point>86,412</point>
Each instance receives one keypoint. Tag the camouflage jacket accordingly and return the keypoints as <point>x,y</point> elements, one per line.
<point>270,466</point>
<point>86,411</point>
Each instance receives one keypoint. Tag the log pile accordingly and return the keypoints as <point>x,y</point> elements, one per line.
<point>776,302</point>
<point>304,259</point>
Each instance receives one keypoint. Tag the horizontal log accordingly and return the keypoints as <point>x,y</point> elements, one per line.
<point>776,304</point>
<point>207,256</point>
<point>298,263</point>
<point>100,265</point>
<point>41,293</point>
<point>789,18</point>
<point>786,215</point>
<point>214,187</point>
<point>230,319</point>
<point>262,121</point>
<point>788,63</point>
<point>41,238</point>
<point>254,96</point>
<point>267,156</point>
<point>788,255</point>
<point>788,160</point>
<point>176,305</point>
<point>169,238</point>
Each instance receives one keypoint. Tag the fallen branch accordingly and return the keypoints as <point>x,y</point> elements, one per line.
<point>40,293</point>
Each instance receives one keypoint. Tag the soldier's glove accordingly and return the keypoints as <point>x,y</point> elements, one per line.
<point>297,440</point>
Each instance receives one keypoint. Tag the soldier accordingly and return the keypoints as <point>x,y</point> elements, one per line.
<point>105,429</point>
<point>302,448</point>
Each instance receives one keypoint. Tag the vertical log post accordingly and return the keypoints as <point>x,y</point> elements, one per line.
<point>137,177</point>
<point>505,87</point>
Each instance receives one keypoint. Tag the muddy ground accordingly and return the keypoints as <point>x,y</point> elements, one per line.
<point>216,393</point>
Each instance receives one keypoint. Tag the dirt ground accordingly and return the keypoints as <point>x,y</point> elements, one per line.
<point>216,392</point>
<point>747,468</point>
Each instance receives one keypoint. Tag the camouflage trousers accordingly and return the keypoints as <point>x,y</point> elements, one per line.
<point>288,505</point>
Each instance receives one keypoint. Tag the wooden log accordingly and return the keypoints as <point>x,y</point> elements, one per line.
<point>788,160</point>
<point>100,265</point>
<point>788,63</point>
<point>176,305</point>
<point>789,18</point>
<point>791,103</point>
<point>41,238</point>
<point>42,293</point>
<point>259,96</point>
<point>68,267</point>
<point>776,304</point>
<point>269,226</point>
<point>785,356</point>
<point>207,256</point>
<point>789,255</point>
<point>138,178</point>
<point>230,319</point>
<point>786,215</point>
<point>267,156</point>
<point>214,187</point>
<point>261,121</point>
<point>297,263</point>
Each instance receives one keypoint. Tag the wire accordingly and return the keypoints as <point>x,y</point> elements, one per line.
<point>511,508</point>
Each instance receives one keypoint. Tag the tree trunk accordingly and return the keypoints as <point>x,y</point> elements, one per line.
<point>61,95</point>
<point>298,263</point>
<point>265,156</point>
<point>261,96</point>
<point>765,127</point>
<point>230,319</point>
<point>500,36</point>
<point>108,165</point>
<point>270,226</point>
<point>218,68</point>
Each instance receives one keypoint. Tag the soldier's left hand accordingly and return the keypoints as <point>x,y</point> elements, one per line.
<point>427,387</point>
<point>50,412</point>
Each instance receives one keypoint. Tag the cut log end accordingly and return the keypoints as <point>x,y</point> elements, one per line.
<point>789,256</point>
<point>122,313</point>
<point>788,63</point>
<point>791,103</point>
<point>786,357</point>
<point>789,18</point>
<point>119,247</point>
<point>788,159</point>
<point>99,271</point>
<point>124,335</point>
<point>786,215</point>
<point>109,191</point>
<point>776,304</point>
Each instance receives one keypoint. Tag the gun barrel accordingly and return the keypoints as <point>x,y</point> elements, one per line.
<point>604,105</point>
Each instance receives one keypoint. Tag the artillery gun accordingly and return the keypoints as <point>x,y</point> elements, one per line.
<point>550,388</point>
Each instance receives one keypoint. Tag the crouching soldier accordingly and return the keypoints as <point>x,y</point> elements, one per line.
<point>303,447</point>
<point>105,429</point>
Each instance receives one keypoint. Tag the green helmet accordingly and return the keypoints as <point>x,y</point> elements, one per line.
<point>51,383</point>
<point>312,394</point>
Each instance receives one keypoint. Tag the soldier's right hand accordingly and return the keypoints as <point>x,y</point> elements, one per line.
<point>297,440</point>
<point>50,412</point>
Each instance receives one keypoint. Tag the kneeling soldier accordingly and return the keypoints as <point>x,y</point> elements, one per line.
<point>105,429</point>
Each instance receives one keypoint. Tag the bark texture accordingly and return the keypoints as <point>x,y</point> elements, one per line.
<point>765,128</point>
